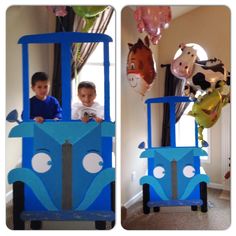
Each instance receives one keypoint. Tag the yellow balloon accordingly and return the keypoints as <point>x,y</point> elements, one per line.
<point>207,111</point>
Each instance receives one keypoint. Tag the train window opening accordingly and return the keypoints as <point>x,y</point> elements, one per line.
<point>185,132</point>
<point>40,59</point>
<point>93,71</point>
<point>156,118</point>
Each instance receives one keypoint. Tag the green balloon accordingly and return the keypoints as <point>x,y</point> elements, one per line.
<point>88,11</point>
<point>208,110</point>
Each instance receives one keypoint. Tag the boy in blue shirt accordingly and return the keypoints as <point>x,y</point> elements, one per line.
<point>43,106</point>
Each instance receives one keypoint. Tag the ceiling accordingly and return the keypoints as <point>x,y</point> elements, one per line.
<point>176,11</point>
<point>181,10</point>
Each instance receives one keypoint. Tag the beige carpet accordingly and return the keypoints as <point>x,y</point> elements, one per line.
<point>182,218</point>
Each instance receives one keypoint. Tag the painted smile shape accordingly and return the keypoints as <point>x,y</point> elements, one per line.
<point>155,184</point>
<point>133,79</point>
<point>29,178</point>
<point>196,180</point>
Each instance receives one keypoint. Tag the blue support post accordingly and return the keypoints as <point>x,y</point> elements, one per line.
<point>25,59</point>
<point>66,80</point>
<point>172,124</point>
<point>149,120</point>
<point>106,82</point>
<point>196,134</point>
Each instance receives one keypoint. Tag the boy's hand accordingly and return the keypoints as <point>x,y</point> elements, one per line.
<point>39,119</point>
<point>97,119</point>
<point>85,119</point>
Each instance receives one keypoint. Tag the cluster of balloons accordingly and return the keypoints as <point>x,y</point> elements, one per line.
<point>207,82</point>
<point>88,13</point>
<point>58,10</point>
<point>153,20</point>
<point>206,112</point>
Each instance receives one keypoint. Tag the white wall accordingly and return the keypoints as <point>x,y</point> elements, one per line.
<point>23,20</point>
<point>133,114</point>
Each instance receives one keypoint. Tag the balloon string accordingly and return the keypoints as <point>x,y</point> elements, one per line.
<point>62,26</point>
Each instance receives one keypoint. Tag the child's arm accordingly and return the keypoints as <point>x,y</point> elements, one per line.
<point>58,113</point>
<point>85,119</point>
<point>74,112</point>
<point>39,119</point>
<point>100,114</point>
<point>97,119</point>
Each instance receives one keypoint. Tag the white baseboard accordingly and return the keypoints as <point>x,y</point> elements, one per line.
<point>9,196</point>
<point>134,199</point>
<point>218,186</point>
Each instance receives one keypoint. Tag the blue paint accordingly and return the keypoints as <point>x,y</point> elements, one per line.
<point>186,188</point>
<point>149,125</point>
<point>34,182</point>
<point>154,183</point>
<point>104,201</point>
<point>102,179</point>
<point>172,124</point>
<point>43,191</point>
<point>64,37</point>
<point>26,102</point>
<point>171,153</point>
<point>13,116</point>
<point>108,129</point>
<point>169,203</point>
<point>68,215</point>
<point>66,80</point>
<point>193,183</point>
<point>48,144</point>
<point>204,143</point>
<point>166,180</point>
<point>141,145</point>
<point>168,99</point>
<point>106,82</point>
<point>27,129</point>
<point>82,179</point>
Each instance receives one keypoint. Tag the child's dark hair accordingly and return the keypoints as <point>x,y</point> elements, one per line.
<point>38,76</point>
<point>86,84</point>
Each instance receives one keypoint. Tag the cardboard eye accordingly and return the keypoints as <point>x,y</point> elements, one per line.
<point>189,171</point>
<point>159,172</point>
<point>41,162</point>
<point>92,162</point>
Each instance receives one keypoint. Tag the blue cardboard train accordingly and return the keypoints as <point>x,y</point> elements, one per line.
<point>66,171</point>
<point>175,176</point>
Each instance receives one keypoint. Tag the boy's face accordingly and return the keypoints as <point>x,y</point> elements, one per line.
<point>87,96</point>
<point>41,89</point>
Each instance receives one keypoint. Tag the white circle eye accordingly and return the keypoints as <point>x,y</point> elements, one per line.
<point>159,172</point>
<point>41,162</point>
<point>92,162</point>
<point>189,171</point>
